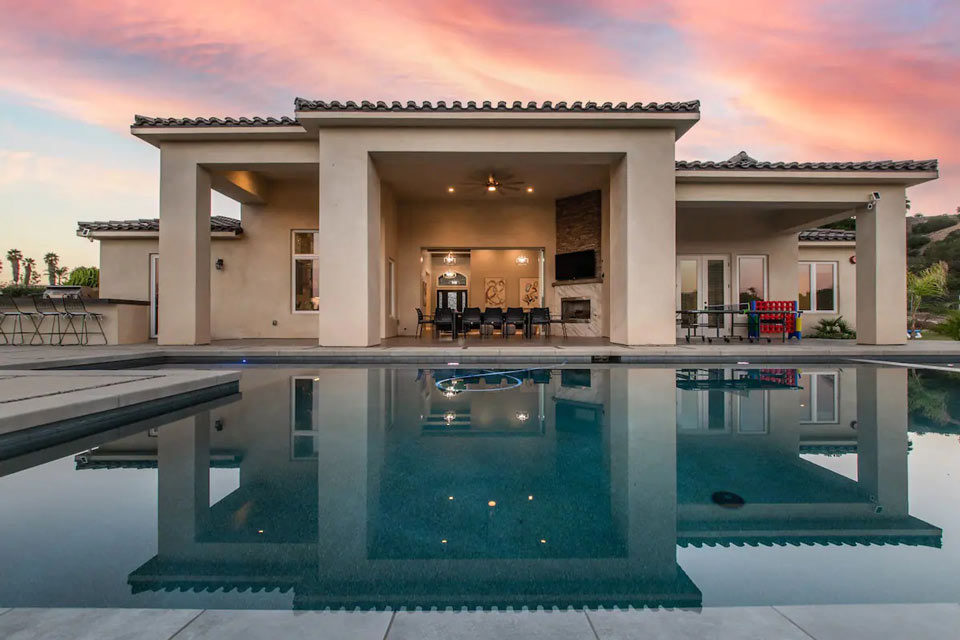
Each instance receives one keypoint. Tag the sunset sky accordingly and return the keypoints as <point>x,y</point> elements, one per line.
<point>804,80</point>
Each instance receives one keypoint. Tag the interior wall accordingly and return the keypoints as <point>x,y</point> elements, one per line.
<point>492,263</point>
<point>493,223</point>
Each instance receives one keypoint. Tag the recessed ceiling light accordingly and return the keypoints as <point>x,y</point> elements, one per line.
<point>450,189</point>
<point>491,188</point>
<point>529,189</point>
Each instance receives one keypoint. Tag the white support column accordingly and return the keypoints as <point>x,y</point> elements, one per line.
<point>882,270</point>
<point>643,237</point>
<point>184,299</point>
<point>349,244</point>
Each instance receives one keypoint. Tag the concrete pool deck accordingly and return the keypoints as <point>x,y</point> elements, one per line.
<point>412,350</point>
<point>42,408</point>
<point>817,622</point>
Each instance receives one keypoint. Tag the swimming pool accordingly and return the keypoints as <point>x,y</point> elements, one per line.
<point>520,486</point>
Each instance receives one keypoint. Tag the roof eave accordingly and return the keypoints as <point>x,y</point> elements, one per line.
<point>157,134</point>
<point>145,235</point>
<point>908,178</point>
<point>679,121</point>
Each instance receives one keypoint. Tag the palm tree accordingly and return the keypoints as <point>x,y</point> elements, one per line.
<point>51,260</point>
<point>14,256</point>
<point>30,275</point>
<point>928,283</point>
<point>61,273</point>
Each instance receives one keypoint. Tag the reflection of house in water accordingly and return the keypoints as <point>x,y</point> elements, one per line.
<point>566,487</point>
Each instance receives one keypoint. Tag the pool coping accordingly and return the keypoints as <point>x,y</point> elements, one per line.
<point>62,413</point>
<point>794,622</point>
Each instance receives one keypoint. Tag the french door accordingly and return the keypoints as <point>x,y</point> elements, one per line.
<point>702,281</point>
<point>455,299</point>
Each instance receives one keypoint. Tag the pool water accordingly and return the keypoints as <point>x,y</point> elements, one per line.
<point>647,486</point>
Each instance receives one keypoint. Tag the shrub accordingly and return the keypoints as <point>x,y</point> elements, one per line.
<point>934,223</point>
<point>834,329</point>
<point>950,327</point>
<point>18,290</point>
<point>85,277</point>
<point>916,241</point>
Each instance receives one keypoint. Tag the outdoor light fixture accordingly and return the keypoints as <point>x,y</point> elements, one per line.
<point>522,260</point>
<point>450,259</point>
<point>219,264</point>
<point>492,503</point>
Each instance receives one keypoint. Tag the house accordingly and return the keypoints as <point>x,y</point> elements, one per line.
<point>356,214</point>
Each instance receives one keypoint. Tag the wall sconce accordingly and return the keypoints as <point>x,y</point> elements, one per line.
<point>522,260</point>
<point>219,264</point>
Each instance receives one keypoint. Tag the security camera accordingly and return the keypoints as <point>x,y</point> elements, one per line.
<point>869,206</point>
<point>875,196</point>
<point>85,232</point>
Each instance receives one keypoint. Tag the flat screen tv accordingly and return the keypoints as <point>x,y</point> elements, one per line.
<point>576,265</point>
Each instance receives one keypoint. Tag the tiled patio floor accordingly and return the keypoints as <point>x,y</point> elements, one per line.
<point>819,622</point>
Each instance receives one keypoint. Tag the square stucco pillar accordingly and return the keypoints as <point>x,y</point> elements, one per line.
<point>349,244</point>
<point>643,242</point>
<point>183,479</point>
<point>184,297</point>
<point>882,270</point>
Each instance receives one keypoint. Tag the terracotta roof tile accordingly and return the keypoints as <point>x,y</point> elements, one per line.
<point>257,121</point>
<point>744,161</point>
<point>217,223</point>
<point>827,235</point>
<point>302,104</point>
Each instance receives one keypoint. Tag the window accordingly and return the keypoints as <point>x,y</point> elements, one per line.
<point>817,286</point>
<point>306,271</point>
<point>819,398</point>
<point>751,278</point>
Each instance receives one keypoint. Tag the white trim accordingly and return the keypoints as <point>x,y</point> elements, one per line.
<point>391,289</point>
<point>766,279</point>
<point>293,268</point>
<point>154,266</point>
<point>811,264</point>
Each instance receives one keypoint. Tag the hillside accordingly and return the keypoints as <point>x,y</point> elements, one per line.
<point>934,238</point>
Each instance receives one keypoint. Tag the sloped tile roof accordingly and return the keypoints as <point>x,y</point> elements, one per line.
<point>302,104</point>
<point>827,235</point>
<point>744,161</point>
<point>217,223</point>
<point>256,121</point>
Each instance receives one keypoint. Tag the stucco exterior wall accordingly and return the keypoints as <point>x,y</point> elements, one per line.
<point>254,288</point>
<point>732,235</point>
<point>125,268</point>
<point>839,253</point>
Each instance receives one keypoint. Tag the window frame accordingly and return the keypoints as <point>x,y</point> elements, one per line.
<point>812,271</point>
<point>391,289</point>
<point>295,433</point>
<point>294,256</point>
<point>766,274</point>
<point>813,377</point>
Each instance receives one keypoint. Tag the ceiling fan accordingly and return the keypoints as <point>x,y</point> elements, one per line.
<point>494,182</point>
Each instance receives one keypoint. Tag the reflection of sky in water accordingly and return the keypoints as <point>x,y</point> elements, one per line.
<point>72,537</point>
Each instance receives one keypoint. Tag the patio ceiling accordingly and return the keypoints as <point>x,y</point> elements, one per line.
<point>427,176</point>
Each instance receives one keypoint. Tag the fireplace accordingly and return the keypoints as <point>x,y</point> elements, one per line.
<point>575,309</point>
